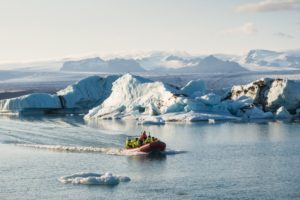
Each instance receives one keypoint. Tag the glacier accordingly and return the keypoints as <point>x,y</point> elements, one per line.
<point>131,97</point>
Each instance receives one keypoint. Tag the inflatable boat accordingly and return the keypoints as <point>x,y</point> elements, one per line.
<point>155,146</point>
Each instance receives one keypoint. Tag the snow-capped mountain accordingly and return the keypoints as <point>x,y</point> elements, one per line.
<point>89,64</point>
<point>262,57</point>
<point>209,64</point>
<point>117,65</point>
<point>120,65</point>
<point>160,59</point>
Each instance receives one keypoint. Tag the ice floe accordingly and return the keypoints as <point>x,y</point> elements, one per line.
<point>94,179</point>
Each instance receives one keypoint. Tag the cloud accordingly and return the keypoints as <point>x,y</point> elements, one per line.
<point>247,29</point>
<point>284,35</point>
<point>270,6</point>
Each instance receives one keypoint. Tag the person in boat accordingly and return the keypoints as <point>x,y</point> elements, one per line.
<point>136,143</point>
<point>143,136</point>
<point>128,143</point>
<point>148,140</point>
<point>141,142</point>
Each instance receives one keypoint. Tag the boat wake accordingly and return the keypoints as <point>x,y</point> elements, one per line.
<point>81,149</point>
<point>90,149</point>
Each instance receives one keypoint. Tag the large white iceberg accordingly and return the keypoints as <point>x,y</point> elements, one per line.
<point>133,97</point>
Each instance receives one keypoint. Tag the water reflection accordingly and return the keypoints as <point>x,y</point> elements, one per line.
<point>146,165</point>
<point>148,157</point>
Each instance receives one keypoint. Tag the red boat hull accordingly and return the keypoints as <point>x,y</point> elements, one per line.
<point>156,146</point>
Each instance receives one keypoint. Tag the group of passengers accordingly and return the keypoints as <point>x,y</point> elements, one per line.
<point>137,142</point>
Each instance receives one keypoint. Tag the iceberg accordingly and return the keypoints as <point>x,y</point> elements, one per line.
<point>82,95</point>
<point>270,94</point>
<point>32,101</point>
<point>87,92</point>
<point>133,97</point>
<point>130,97</point>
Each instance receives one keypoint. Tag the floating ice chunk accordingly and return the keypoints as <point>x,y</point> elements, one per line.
<point>94,179</point>
<point>35,100</point>
<point>194,88</point>
<point>210,99</point>
<point>149,120</point>
<point>282,113</point>
<point>196,116</point>
<point>211,121</point>
<point>256,113</point>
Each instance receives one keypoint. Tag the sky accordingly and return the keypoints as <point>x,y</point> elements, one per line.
<point>44,29</point>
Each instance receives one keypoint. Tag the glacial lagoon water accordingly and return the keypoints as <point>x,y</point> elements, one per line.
<point>225,160</point>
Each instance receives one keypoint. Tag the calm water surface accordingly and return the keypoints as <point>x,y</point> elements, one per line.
<point>226,160</point>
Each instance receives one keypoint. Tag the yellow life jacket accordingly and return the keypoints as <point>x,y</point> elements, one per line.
<point>148,140</point>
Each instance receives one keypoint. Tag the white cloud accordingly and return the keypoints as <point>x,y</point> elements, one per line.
<point>284,35</point>
<point>248,29</point>
<point>269,6</point>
